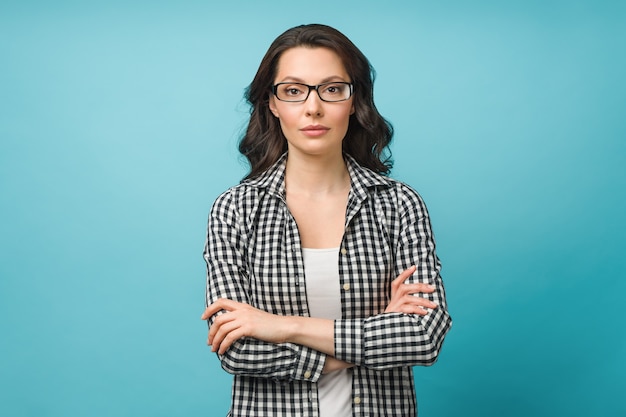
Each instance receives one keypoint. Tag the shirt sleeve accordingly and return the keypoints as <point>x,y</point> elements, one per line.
<point>391,340</point>
<point>225,254</point>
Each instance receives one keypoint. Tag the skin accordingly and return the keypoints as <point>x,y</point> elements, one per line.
<point>312,66</point>
<point>317,186</point>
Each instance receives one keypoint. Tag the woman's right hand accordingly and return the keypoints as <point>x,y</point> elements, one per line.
<point>403,298</point>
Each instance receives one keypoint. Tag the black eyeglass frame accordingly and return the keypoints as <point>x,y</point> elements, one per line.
<point>316,88</point>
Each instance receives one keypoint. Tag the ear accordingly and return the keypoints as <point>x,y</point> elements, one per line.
<point>352,110</point>
<point>272,105</point>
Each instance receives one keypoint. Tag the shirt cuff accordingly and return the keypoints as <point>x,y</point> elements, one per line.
<point>349,340</point>
<point>309,365</point>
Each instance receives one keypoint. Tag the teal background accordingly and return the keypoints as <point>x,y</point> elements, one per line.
<point>118,128</point>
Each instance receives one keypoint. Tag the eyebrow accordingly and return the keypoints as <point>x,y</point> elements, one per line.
<point>325,80</point>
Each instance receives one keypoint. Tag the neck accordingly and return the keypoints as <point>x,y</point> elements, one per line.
<point>316,174</point>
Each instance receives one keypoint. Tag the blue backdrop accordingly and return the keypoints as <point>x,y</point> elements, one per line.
<point>118,126</point>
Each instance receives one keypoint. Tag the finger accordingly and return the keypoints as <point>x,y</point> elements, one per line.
<point>416,289</point>
<point>220,321</point>
<point>207,313</point>
<point>424,288</point>
<point>211,310</point>
<point>410,300</point>
<point>408,309</point>
<point>403,276</point>
<point>220,304</point>
<point>419,301</point>
<point>229,339</point>
<point>229,335</point>
<point>406,273</point>
<point>224,337</point>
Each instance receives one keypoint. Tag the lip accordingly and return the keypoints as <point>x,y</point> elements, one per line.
<point>314,130</point>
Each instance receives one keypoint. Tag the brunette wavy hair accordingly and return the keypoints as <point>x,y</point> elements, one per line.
<point>368,135</point>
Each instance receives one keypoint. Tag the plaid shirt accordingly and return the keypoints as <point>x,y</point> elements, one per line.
<point>253,255</point>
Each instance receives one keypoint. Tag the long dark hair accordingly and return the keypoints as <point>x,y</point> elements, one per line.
<point>368,135</point>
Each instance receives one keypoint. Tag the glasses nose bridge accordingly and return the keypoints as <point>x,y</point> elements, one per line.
<point>317,91</point>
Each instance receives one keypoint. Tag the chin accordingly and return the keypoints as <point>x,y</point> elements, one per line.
<point>315,150</point>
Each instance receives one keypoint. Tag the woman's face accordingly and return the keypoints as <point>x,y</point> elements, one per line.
<point>312,127</point>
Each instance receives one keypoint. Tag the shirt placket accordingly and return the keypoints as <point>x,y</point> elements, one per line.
<point>349,284</point>
<point>297,289</point>
<point>293,253</point>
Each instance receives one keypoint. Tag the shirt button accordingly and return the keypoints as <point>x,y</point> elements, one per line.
<point>346,287</point>
<point>343,251</point>
<point>307,374</point>
<point>357,400</point>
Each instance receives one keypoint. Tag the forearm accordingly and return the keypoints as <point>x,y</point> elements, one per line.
<point>309,333</point>
<point>391,340</point>
<point>253,342</point>
<point>315,333</point>
<point>382,341</point>
<point>284,361</point>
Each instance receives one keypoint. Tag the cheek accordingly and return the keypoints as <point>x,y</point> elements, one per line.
<point>344,116</point>
<point>288,123</point>
<point>281,111</point>
<point>348,109</point>
<point>288,119</point>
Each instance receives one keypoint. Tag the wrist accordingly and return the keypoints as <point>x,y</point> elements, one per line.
<point>292,328</point>
<point>333,364</point>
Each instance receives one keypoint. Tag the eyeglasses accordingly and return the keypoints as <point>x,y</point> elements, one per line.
<point>297,92</point>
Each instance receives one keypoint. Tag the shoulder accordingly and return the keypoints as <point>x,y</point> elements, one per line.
<point>235,200</point>
<point>402,198</point>
<point>238,194</point>
<point>384,184</point>
<point>398,193</point>
<point>246,196</point>
<point>406,193</point>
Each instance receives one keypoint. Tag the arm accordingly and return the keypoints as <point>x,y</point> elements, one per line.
<point>240,320</point>
<point>397,339</point>
<point>227,277</point>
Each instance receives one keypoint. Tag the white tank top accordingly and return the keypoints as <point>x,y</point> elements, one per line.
<point>321,268</point>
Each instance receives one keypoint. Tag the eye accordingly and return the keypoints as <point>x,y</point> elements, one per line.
<point>334,89</point>
<point>291,90</point>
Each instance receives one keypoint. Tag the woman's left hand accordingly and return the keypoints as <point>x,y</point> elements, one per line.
<point>404,298</point>
<point>241,320</point>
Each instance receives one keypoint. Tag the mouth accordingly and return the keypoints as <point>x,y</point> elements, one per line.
<point>314,130</point>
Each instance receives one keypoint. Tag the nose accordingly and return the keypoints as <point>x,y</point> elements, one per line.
<point>313,104</point>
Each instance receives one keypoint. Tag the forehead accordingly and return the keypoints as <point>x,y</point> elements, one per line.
<point>310,65</point>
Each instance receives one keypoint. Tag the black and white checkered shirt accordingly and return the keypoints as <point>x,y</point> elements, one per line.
<point>253,255</point>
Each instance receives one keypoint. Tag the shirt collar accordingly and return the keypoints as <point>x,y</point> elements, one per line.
<point>273,179</point>
<point>363,178</point>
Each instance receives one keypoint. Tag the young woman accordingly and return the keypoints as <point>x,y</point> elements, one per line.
<point>323,286</point>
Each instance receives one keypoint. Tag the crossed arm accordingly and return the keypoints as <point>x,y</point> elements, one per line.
<point>240,320</point>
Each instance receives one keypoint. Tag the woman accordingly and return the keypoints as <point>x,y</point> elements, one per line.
<point>316,260</point>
